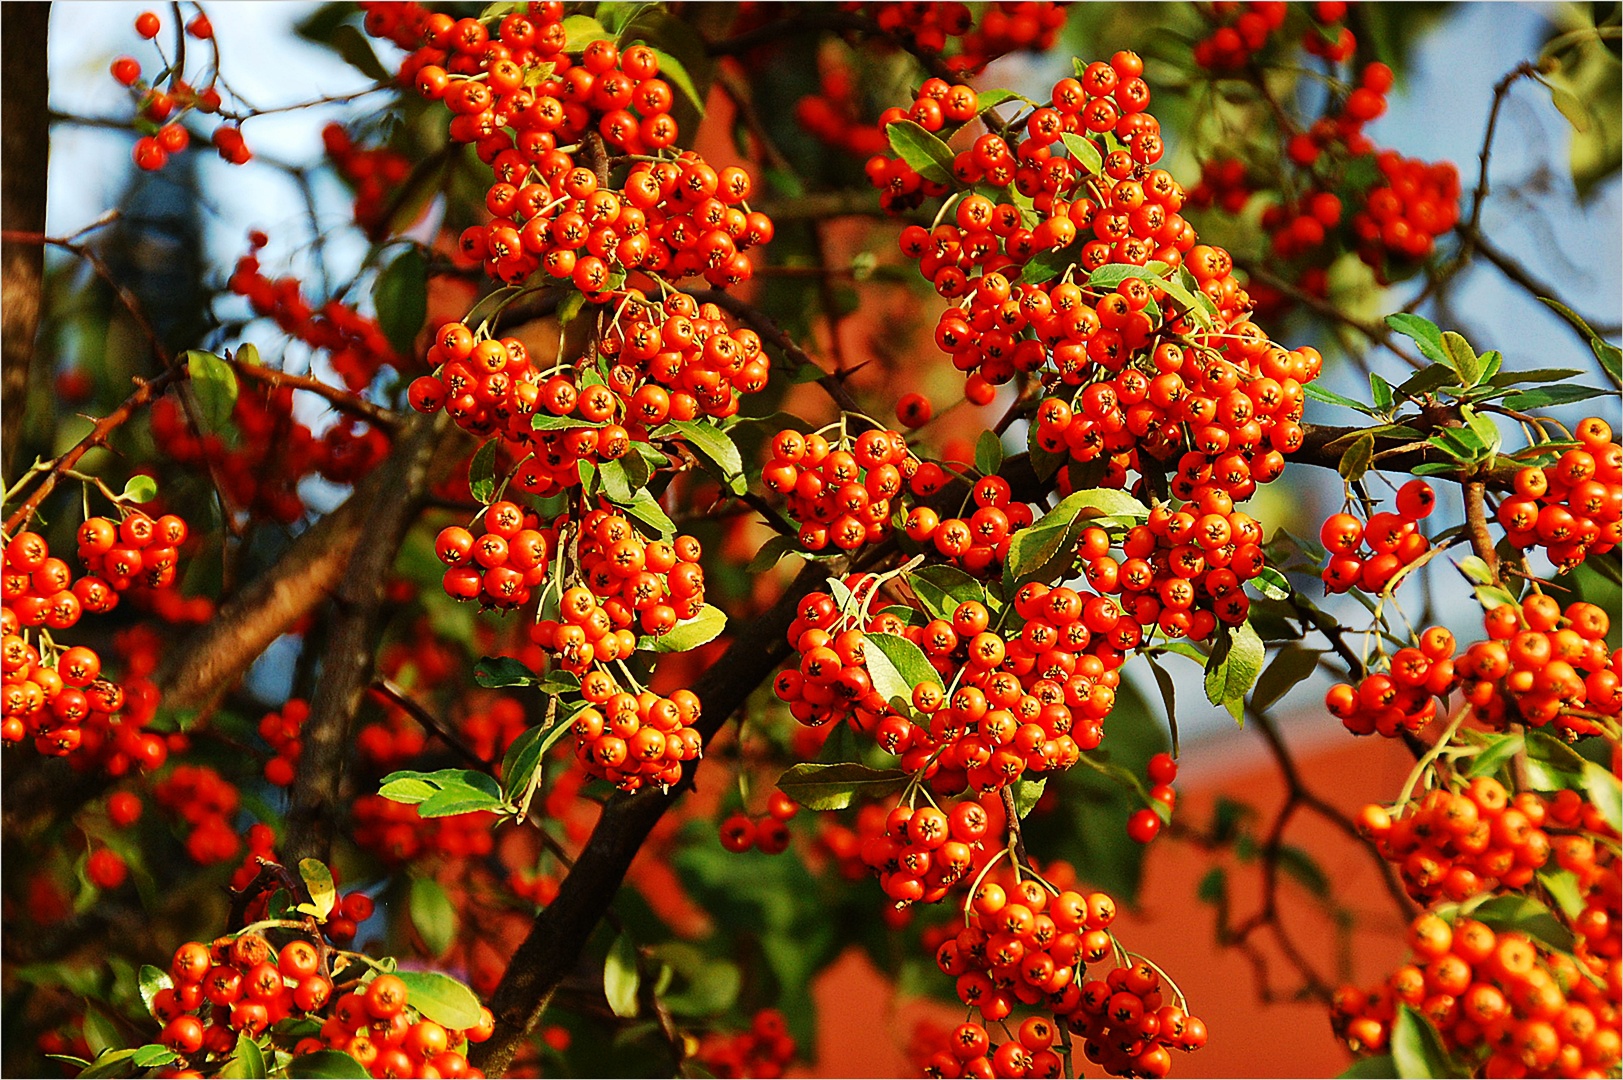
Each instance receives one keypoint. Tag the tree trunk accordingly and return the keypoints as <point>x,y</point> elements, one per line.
<point>25,140</point>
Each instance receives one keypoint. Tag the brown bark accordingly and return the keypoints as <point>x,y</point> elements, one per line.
<point>25,139</point>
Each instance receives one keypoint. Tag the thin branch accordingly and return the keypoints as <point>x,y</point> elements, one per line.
<point>397,696</point>
<point>338,397</point>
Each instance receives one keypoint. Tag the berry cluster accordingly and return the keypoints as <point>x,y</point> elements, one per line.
<point>833,115</point>
<point>1026,944</point>
<point>356,346</point>
<point>1457,844</point>
<point>206,803</point>
<point>158,112</point>
<point>503,565</point>
<point>1368,554</point>
<point>531,109</point>
<point>649,585</point>
<point>56,695</point>
<point>397,834</point>
<point>633,740</point>
<point>1539,666</point>
<point>281,730</point>
<point>765,1050</point>
<point>978,544</point>
<point>770,834</point>
<point>1240,31</point>
<point>374,172</point>
<point>1531,1006</point>
<point>1005,27</point>
<point>246,985</point>
<point>1573,507</point>
<point>840,493</point>
<point>1407,210</point>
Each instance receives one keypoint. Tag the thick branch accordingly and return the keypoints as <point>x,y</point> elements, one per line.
<point>351,652</point>
<point>553,946</point>
<point>25,138</point>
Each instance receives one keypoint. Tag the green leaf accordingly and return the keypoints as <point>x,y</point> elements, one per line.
<point>1048,546</point>
<point>1609,355</point>
<point>1290,666</point>
<point>1426,380</point>
<point>1423,332</point>
<point>108,1063</point>
<point>1563,887</point>
<point>1605,793</point>
<point>646,509</point>
<point>1213,887</point>
<point>1169,696</point>
<point>1233,668</point>
<point>1298,864</point>
<point>991,99</point>
<point>482,472</point>
<point>767,556</point>
<point>1026,795</point>
<point>1500,749</point>
<point>896,666</point>
<point>247,1061</point>
<point>441,998</point>
<point>1525,915</point>
<point>400,296</point>
<point>523,758</point>
<point>620,977</point>
<point>988,453</point>
<point>1379,1067</point>
<point>357,52</point>
<point>713,446</point>
<point>150,981</point>
<point>152,1055</point>
<point>612,481</point>
<point>101,1033</point>
<point>456,799</point>
<point>1569,106</point>
<point>1272,584</point>
<point>1463,358</point>
<point>1357,458</point>
<point>1417,1049</point>
<point>1047,265</point>
<point>924,153</point>
<point>214,385</point>
<point>497,671</point>
<point>1534,375</point>
<point>833,787</point>
<point>580,31</point>
<point>433,915</point>
<point>676,73</point>
<point>548,422</point>
<point>1315,392</point>
<point>319,883</point>
<point>1525,400</point>
<point>140,488</point>
<point>941,588</point>
<point>712,984</point>
<point>326,1065</point>
<point>703,628</point>
<point>1085,153</point>
<point>443,793</point>
<point>1380,392</point>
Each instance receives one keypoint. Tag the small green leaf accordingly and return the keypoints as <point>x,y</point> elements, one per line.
<point>1380,392</point>
<point>247,1061</point>
<point>941,588</point>
<point>1379,1067</point>
<point>101,1033</point>
<point>1026,795</point>
<point>319,884</point>
<point>1047,265</point>
<point>924,153</point>
<point>214,385</point>
<point>580,31</point>
<point>441,998</point>
<point>1233,668</point>
<point>1315,392</point>
<point>1427,380</point>
<point>620,977</point>
<point>833,787</point>
<point>991,99</point>
<point>1417,1049</point>
<point>433,915</point>
<point>1169,696</point>
<point>703,628</point>
<point>326,1065</point>
<point>1543,397</point>
<point>988,453</point>
<point>714,447</point>
<point>140,488</point>
<point>494,672</point>
<point>1213,887</point>
<point>152,1055</point>
<point>1085,153</point>
<point>1523,914</point>
<point>150,980</point>
<point>1357,458</point>
<point>646,509</point>
<point>1272,584</point>
<point>1463,358</point>
<point>896,666</point>
<point>1290,666</point>
<point>1563,887</point>
<point>400,296</point>
<point>357,52</point>
<point>1423,332</point>
<point>482,472</point>
<point>676,73</point>
<point>1569,106</point>
<point>1500,749</point>
<point>767,556</point>
<point>548,422</point>
<point>1605,793</point>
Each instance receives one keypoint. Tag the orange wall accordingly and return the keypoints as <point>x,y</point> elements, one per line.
<point>863,1028</point>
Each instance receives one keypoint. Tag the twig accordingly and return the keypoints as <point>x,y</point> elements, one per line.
<point>397,696</point>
